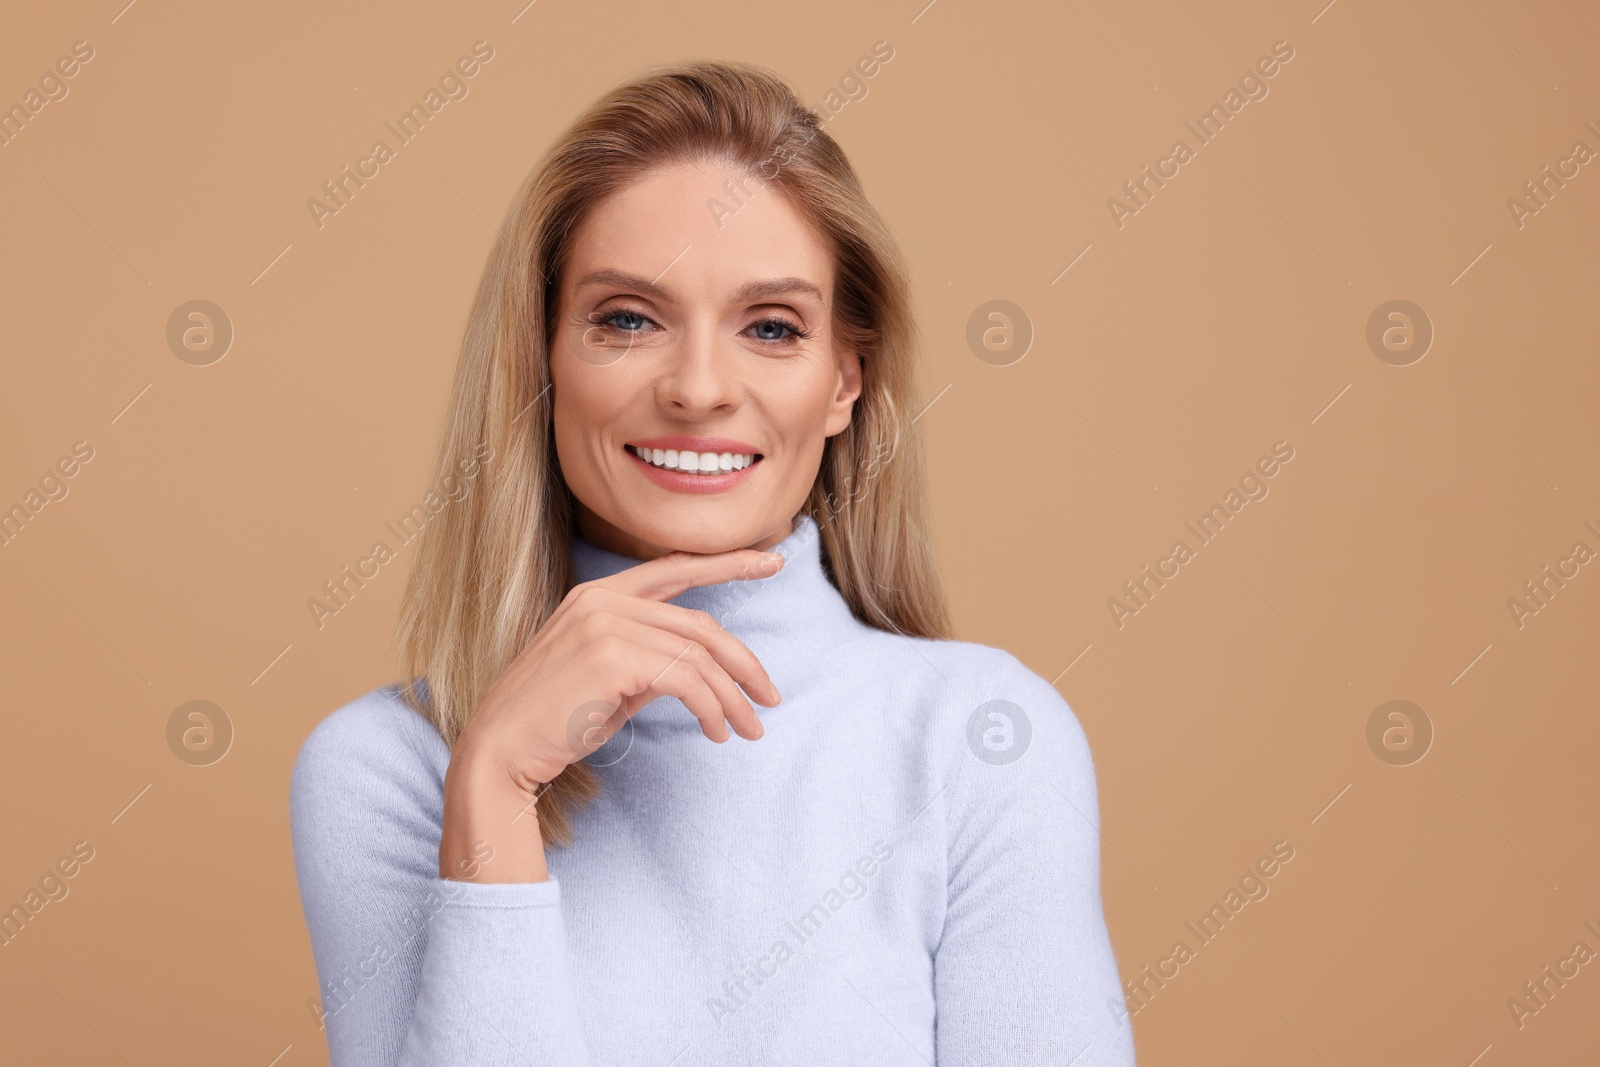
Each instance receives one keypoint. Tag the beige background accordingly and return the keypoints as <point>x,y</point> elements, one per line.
<point>1228,314</point>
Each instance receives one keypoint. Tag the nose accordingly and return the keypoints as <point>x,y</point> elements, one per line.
<point>700,377</point>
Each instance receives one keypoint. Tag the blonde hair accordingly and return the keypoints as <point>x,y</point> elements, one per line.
<point>494,565</point>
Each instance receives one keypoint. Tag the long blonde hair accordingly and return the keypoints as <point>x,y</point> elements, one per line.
<point>492,566</point>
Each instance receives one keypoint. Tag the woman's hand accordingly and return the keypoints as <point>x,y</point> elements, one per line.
<point>611,646</point>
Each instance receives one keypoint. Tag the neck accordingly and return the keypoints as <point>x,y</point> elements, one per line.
<point>599,533</point>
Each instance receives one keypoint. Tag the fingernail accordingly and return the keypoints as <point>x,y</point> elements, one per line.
<point>772,560</point>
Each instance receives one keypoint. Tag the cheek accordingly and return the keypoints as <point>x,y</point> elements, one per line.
<point>588,401</point>
<point>574,420</point>
<point>794,419</point>
<point>801,409</point>
<point>567,416</point>
<point>572,381</point>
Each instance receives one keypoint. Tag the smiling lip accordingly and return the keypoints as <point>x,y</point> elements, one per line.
<point>683,481</point>
<point>685,443</point>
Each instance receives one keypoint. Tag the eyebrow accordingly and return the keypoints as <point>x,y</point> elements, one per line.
<point>749,291</point>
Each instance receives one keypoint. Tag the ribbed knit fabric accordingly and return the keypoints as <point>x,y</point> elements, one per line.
<point>900,872</point>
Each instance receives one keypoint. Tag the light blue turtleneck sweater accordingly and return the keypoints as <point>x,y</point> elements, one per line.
<point>904,870</point>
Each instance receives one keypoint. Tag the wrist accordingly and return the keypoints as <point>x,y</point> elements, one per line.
<point>490,830</point>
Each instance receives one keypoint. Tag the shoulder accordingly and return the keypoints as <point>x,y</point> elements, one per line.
<point>1002,722</point>
<point>970,671</point>
<point>373,748</point>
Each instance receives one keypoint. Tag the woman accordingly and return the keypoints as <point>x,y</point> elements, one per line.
<point>693,349</point>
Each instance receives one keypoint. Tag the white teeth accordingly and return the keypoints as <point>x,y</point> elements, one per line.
<point>694,462</point>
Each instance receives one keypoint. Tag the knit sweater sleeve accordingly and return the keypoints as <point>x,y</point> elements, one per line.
<point>1024,973</point>
<point>414,969</point>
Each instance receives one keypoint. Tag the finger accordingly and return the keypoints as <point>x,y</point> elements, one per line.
<point>666,576</point>
<point>649,661</point>
<point>734,656</point>
<point>731,653</point>
<point>732,707</point>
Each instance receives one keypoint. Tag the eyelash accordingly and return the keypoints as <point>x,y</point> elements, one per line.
<point>603,318</point>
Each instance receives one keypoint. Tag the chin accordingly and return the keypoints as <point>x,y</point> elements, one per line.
<point>704,530</point>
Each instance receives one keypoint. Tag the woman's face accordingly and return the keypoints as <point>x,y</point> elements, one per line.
<point>691,324</point>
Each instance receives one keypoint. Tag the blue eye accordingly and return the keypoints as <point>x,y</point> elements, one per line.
<point>625,320</point>
<point>776,330</point>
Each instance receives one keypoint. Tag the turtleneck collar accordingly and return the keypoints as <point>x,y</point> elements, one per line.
<point>797,610</point>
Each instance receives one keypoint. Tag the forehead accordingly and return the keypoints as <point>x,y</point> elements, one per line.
<point>709,226</point>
